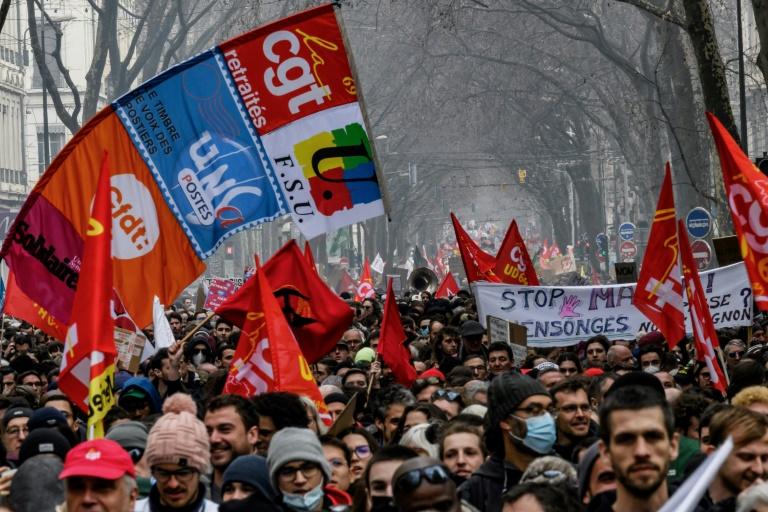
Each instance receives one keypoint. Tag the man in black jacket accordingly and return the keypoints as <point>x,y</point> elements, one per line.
<point>520,429</point>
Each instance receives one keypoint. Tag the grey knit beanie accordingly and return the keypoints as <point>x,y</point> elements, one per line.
<point>508,391</point>
<point>291,444</point>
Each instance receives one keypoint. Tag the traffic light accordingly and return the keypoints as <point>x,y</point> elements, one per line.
<point>521,175</point>
<point>229,251</point>
<point>762,163</point>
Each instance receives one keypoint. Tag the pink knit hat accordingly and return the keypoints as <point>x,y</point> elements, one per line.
<point>178,437</point>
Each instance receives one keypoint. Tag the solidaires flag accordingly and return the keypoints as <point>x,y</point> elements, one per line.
<point>88,365</point>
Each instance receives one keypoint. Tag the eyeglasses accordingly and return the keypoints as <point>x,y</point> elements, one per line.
<point>451,396</point>
<point>533,410</point>
<point>15,431</point>
<point>337,463</point>
<point>429,381</point>
<point>736,355</point>
<point>410,480</point>
<point>572,408</point>
<point>182,475</point>
<point>308,469</point>
<point>363,451</point>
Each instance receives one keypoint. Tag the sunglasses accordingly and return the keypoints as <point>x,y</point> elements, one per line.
<point>451,396</point>
<point>735,355</point>
<point>410,480</point>
<point>429,381</point>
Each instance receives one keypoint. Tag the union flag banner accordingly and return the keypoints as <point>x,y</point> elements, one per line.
<point>659,291</point>
<point>18,305</point>
<point>513,264</point>
<point>478,264</point>
<point>268,357</point>
<point>448,287</point>
<point>365,286</point>
<point>747,191</point>
<point>88,362</point>
<point>264,125</point>
<point>317,316</point>
<point>704,334</point>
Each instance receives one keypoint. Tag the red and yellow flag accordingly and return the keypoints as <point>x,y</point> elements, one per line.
<point>659,291</point>
<point>88,365</point>
<point>704,334</point>
<point>365,286</point>
<point>513,264</point>
<point>268,357</point>
<point>747,191</point>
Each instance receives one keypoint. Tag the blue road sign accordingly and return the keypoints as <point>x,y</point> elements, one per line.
<point>627,231</point>
<point>698,222</point>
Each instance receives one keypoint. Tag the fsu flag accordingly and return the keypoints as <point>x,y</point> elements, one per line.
<point>365,287</point>
<point>478,264</point>
<point>704,335</point>
<point>88,363</point>
<point>268,357</point>
<point>513,264</point>
<point>448,286</point>
<point>659,291</point>
<point>391,348</point>
<point>317,316</point>
<point>747,191</point>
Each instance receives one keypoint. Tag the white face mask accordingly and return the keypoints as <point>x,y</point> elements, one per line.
<point>198,359</point>
<point>304,502</point>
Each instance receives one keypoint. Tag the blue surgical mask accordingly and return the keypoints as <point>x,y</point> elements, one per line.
<point>541,433</point>
<point>424,331</point>
<point>304,502</point>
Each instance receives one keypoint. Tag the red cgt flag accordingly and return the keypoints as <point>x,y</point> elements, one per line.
<point>659,291</point>
<point>747,191</point>
<point>268,357</point>
<point>513,264</point>
<point>448,287</point>
<point>391,348</point>
<point>365,287</point>
<point>88,362</point>
<point>317,316</point>
<point>704,334</point>
<point>478,264</point>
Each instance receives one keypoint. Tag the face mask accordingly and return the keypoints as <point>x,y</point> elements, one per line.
<point>198,359</point>
<point>541,435</point>
<point>424,331</point>
<point>651,369</point>
<point>304,502</point>
<point>382,504</point>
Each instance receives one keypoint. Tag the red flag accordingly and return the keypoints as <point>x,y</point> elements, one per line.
<point>513,264</point>
<point>309,256</point>
<point>346,283</point>
<point>659,291</point>
<point>19,305</point>
<point>88,364</point>
<point>316,314</point>
<point>704,334</point>
<point>268,357</point>
<point>747,191</point>
<point>448,286</point>
<point>478,264</point>
<point>391,348</point>
<point>365,287</point>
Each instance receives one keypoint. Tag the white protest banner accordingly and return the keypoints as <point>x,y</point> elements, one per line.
<point>557,316</point>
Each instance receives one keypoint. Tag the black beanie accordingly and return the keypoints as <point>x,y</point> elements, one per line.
<point>508,391</point>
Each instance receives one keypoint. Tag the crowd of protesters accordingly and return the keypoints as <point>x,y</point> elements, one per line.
<point>602,425</point>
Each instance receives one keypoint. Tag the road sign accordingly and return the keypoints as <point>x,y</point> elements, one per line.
<point>702,254</point>
<point>698,222</point>
<point>628,250</point>
<point>627,231</point>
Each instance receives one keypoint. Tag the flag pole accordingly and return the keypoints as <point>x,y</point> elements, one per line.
<point>373,377</point>
<point>197,327</point>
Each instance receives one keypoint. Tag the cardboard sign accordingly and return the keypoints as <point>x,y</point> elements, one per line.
<point>130,346</point>
<point>515,335</point>
<point>626,272</point>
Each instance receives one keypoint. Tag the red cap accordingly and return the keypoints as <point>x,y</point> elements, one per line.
<point>98,458</point>
<point>432,372</point>
<point>593,372</point>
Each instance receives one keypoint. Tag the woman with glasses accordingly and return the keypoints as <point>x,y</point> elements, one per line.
<point>362,446</point>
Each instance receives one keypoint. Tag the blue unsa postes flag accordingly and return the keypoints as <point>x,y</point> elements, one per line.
<point>264,125</point>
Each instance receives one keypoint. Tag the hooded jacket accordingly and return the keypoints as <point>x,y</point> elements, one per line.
<point>147,387</point>
<point>484,489</point>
